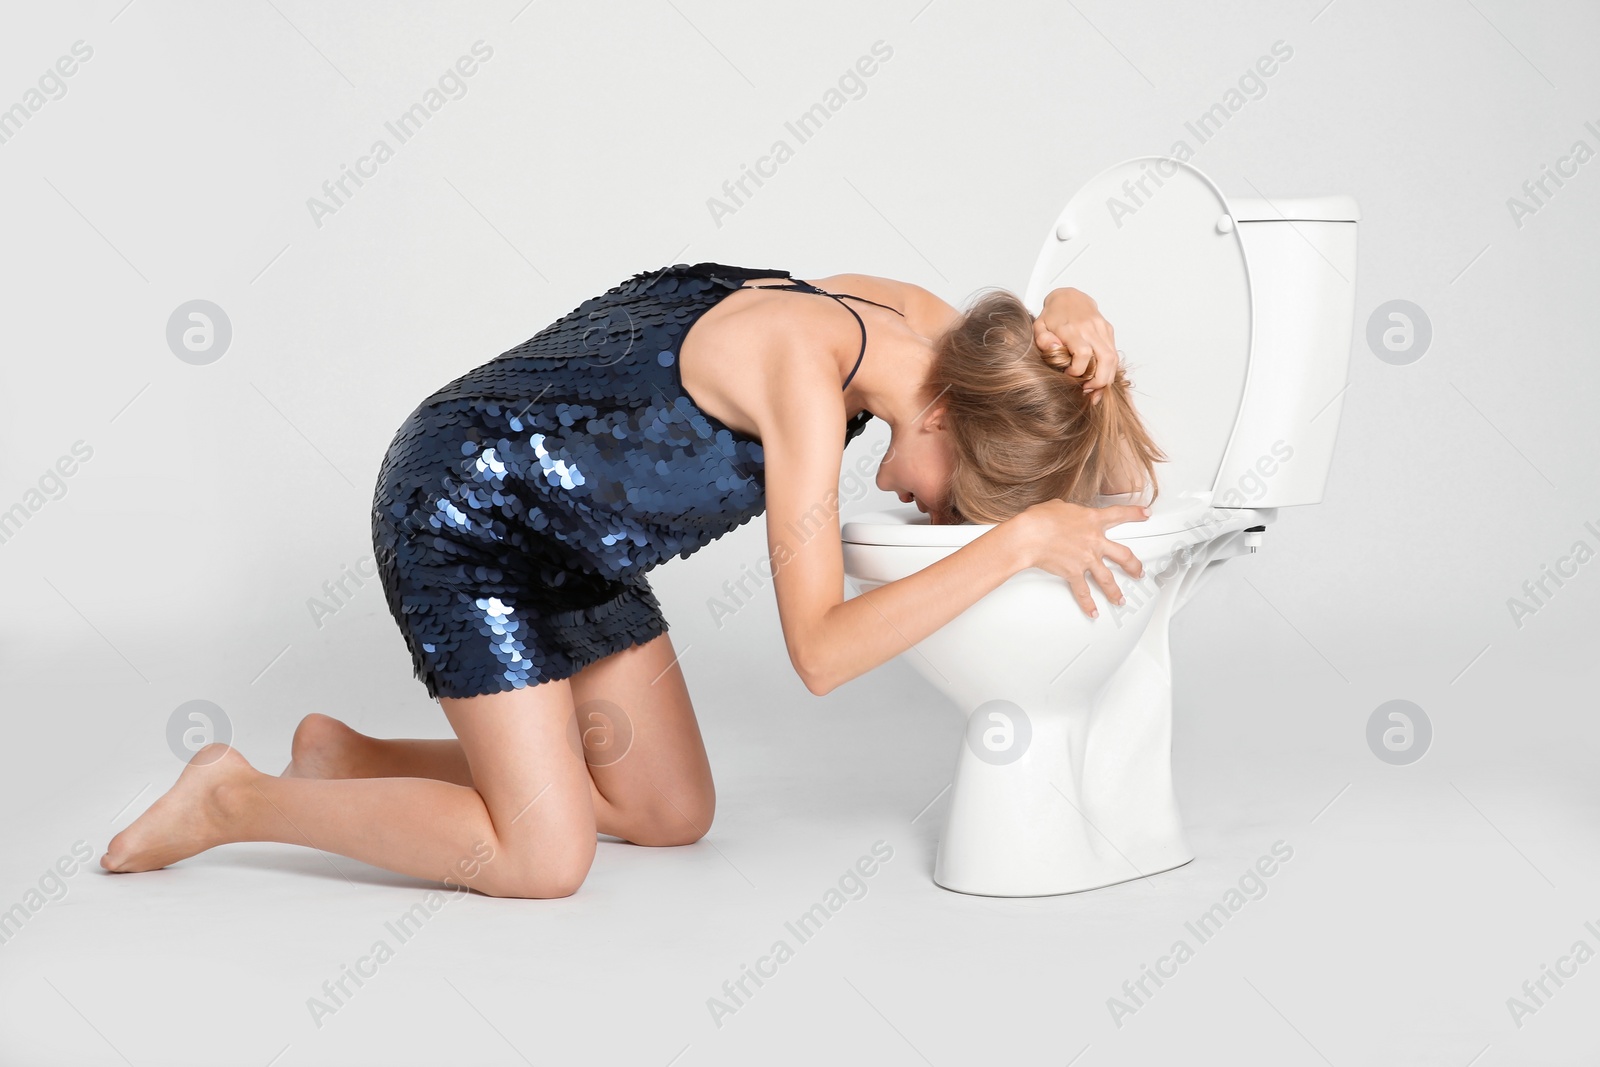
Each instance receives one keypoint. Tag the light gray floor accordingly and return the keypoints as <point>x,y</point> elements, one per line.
<point>1416,901</point>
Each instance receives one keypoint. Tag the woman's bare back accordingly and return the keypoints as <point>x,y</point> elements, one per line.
<point>727,357</point>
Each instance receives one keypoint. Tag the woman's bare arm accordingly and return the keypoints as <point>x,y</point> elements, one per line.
<point>830,639</point>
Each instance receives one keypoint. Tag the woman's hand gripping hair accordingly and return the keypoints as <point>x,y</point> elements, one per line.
<point>1070,326</point>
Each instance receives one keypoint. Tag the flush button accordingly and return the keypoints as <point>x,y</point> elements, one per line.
<point>1225,224</point>
<point>1065,232</point>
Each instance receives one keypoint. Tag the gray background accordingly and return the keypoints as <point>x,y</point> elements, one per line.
<point>219,499</point>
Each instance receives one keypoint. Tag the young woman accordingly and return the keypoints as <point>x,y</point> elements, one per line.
<point>519,507</point>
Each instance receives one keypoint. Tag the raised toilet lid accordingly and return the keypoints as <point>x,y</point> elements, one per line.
<point>904,525</point>
<point>1154,242</point>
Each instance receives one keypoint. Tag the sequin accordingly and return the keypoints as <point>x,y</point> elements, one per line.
<point>519,508</point>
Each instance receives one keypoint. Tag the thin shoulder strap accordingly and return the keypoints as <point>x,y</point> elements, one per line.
<point>800,286</point>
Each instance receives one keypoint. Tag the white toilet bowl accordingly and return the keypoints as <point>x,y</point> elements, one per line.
<point>1238,346</point>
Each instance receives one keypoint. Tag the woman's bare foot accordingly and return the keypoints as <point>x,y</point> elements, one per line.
<point>323,747</point>
<point>188,819</point>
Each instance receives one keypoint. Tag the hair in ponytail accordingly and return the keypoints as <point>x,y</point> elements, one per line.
<point>1023,429</point>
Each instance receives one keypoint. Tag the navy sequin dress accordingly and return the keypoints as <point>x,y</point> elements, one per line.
<point>519,507</point>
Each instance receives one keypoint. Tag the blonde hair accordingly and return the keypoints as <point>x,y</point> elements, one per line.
<point>1023,429</point>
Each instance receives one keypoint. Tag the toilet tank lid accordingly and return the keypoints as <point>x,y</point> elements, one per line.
<point>1291,209</point>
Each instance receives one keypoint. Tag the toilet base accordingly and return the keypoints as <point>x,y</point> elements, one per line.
<point>1089,802</point>
<point>938,878</point>
<point>1043,856</point>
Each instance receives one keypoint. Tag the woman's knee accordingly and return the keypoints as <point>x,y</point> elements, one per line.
<point>543,874</point>
<point>680,819</point>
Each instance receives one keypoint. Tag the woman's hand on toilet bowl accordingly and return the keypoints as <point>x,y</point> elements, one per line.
<point>1069,540</point>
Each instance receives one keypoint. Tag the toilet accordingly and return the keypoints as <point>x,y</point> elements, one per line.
<point>1234,320</point>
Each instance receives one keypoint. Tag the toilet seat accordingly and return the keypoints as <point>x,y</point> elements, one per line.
<point>1171,514</point>
<point>907,527</point>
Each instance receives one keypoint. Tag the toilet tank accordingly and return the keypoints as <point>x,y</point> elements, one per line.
<point>1301,258</point>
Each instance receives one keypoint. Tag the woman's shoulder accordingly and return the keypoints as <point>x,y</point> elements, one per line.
<point>872,286</point>
<point>925,311</point>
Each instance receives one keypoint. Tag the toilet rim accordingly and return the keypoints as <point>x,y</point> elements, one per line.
<point>905,526</point>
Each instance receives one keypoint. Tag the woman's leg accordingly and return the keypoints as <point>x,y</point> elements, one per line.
<point>642,745</point>
<point>325,747</point>
<point>641,741</point>
<point>525,828</point>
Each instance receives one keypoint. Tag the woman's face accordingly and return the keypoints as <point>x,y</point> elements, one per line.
<point>918,464</point>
